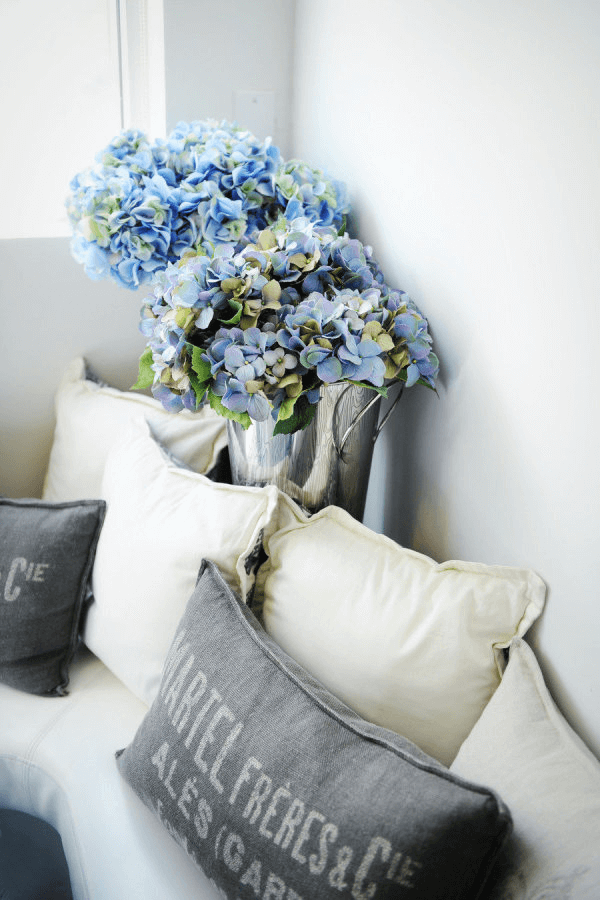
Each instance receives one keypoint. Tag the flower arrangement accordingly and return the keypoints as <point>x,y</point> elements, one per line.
<point>145,204</point>
<point>258,332</point>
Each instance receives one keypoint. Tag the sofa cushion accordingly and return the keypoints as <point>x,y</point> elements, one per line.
<point>46,557</point>
<point>523,747</point>
<point>90,416</point>
<point>32,862</point>
<point>57,763</point>
<point>408,643</point>
<point>276,789</point>
<point>160,523</point>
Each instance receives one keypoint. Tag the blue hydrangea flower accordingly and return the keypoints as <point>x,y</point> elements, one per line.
<point>146,204</point>
<point>412,327</point>
<point>306,191</point>
<point>244,395</point>
<point>278,362</point>
<point>252,332</point>
<point>361,361</point>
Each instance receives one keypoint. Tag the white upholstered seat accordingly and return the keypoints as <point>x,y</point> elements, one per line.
<point>57,762</point>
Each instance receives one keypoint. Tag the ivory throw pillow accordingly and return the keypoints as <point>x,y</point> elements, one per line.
<point>90,416</point>
<point>409,644</point>
<point>161,521</point>
<point>46,557</point>
<point>278,790</point>
<point>523,747</point>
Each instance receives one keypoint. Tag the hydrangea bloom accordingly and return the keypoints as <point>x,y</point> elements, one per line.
<point>144,205</point>
<point>258,332</point>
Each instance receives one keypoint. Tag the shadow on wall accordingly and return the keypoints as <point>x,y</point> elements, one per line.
<point>22,473</point>
<point>413,517</point>
<point>459,482</point>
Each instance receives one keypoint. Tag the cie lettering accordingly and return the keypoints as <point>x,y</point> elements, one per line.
<point>20,570</point>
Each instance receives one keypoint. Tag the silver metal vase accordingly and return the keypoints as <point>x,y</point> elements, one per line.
<point>328,463</point>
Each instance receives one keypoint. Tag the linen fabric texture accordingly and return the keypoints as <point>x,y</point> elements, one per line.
<point>523,747</point>
<point>410,644</point>
<point>161,521</point>
<point>90,416</point>
<point>46,557</point>
<point>276,789</point>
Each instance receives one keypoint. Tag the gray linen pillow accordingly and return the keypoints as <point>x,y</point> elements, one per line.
<point>46,556</point>
<point>278,790</point>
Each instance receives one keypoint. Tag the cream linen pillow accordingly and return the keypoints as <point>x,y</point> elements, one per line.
<point>161,522</point>
<point>523,747</point>
<point>409,644</point>
<point>90,416</point>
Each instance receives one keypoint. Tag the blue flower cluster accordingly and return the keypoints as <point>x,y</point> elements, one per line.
<point>144,205</point>
<point>258,332</point>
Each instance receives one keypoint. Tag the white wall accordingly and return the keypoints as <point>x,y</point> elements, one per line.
<point>469,135</point>
<point>215,50</point>
<point>51,312</point>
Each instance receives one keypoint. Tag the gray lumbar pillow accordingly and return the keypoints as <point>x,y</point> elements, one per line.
<point>276,789</point>
<point>46,556</point>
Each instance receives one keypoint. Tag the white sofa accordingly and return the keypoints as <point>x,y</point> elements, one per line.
<point>412,646</point>
<point>57,762</point>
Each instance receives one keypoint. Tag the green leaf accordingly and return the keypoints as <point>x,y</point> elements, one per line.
<point>302,415</point>
<point>402,376</point>
<point>286,409</point>
<point>380,390</point>
<point>199,387</point>
<point>235,304</point>
<point>200,366</point>
<point>215,403</point>
<point>146,374</point>
<point>429,387</point>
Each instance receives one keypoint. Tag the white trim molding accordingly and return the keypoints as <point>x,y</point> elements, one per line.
<point>142,65</point>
